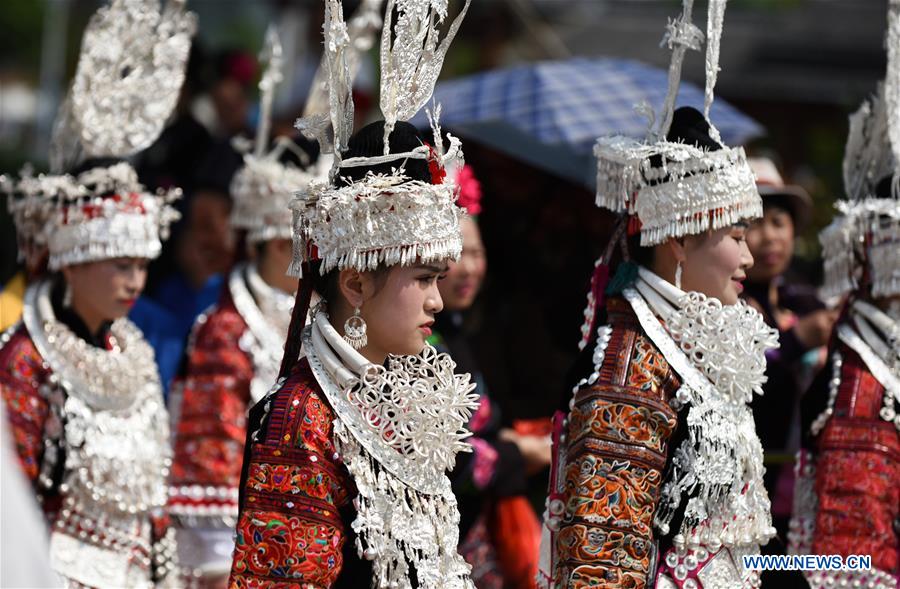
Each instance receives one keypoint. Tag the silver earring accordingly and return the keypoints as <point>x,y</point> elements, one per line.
<point>355,330</point>
<point>678,275</point>
<point>67,297</point>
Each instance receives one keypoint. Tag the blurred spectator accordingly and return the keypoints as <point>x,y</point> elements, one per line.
<point>174,158</point>
<point>231,93</point>
<point>499,530</point>
<point>26,548</point>
<point>190,277</point>
<point>804,325</point>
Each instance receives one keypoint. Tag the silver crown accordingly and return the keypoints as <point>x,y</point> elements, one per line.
<point>127,83</point>
<point>691,190</point>
<point>263,187</point>
<point>382,219</point>
<point>129,76</point>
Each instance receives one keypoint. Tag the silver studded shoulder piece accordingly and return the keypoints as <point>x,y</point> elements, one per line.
<point>398,429</point>
<point>115,439</point>
<point>717,472</point>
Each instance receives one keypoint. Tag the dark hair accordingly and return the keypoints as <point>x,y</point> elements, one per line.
<point>309,148</point>
<point>883,188</point>
<point>641,255</point>
<point>778,201</point>
<point>369,141</point>
<point>326,285</point>
<point>691,127</point>
<point>95,162</point>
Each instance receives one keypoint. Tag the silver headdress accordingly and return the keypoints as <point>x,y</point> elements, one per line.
<point>263,187</point>
<point>865,238</point>
<point>675,189</point>
<point>383,218</point>
<point>407,519</point>
<point>128,79</point>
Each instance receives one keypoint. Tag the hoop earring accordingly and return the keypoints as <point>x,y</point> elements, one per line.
<point>355,330</point>
<point>678,275</point>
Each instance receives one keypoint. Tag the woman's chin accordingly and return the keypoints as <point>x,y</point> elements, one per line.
<point>416,347</point>
<point>117,314</point>
<point>729,297</point>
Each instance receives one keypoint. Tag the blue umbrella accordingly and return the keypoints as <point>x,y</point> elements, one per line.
<point>568,104</point>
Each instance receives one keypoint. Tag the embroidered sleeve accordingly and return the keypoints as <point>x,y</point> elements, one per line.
<point>212,421</point>
<point>617,435</point>
<point>856,474</point>
<point>289,532</point>
<point>21,376</point>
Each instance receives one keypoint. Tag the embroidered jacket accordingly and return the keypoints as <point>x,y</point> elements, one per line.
<point>847,499</point>
<point>212,416</point>
<point>289,531</point>
<point>210,404</point>
<point>618,438</point>
<point>36,411</point>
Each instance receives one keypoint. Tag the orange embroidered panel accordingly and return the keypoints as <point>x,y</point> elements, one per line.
<point>617,434</point>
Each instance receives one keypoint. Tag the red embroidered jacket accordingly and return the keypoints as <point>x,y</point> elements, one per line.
<point>618,436</point>
<point>211,415</point>
<point>289,531</point>
<point>29,394</point>
<point>855,462</point>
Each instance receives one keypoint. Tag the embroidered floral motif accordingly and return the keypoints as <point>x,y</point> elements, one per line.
<point>210,406</point>
<point>853,466</point>
<point>617,434</point>
<point>272,548</point>
<point>290,529</point>
<point>20,376</point>
<point>303,481</point>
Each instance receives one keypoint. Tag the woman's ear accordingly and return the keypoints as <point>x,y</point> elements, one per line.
<point>676,247</point>
<point>350,283</point>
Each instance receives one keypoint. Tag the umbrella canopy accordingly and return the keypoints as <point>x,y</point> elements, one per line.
<point>569,104</point>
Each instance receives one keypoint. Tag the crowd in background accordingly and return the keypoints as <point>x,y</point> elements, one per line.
<point>512,305</point>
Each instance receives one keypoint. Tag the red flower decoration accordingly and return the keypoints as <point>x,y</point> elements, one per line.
<point>437,171</point>
<point>469,190</point>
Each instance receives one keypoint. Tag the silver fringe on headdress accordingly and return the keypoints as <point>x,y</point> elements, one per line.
<point>693,190</point>
<point>864,239</point>
<point>128,80</point>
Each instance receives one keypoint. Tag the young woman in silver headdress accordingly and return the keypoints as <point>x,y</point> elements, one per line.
<point>235,348</point>
<point>657,474</point>
<point>366,423</point>
<point>847,496</point>
<point>80,385</point>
